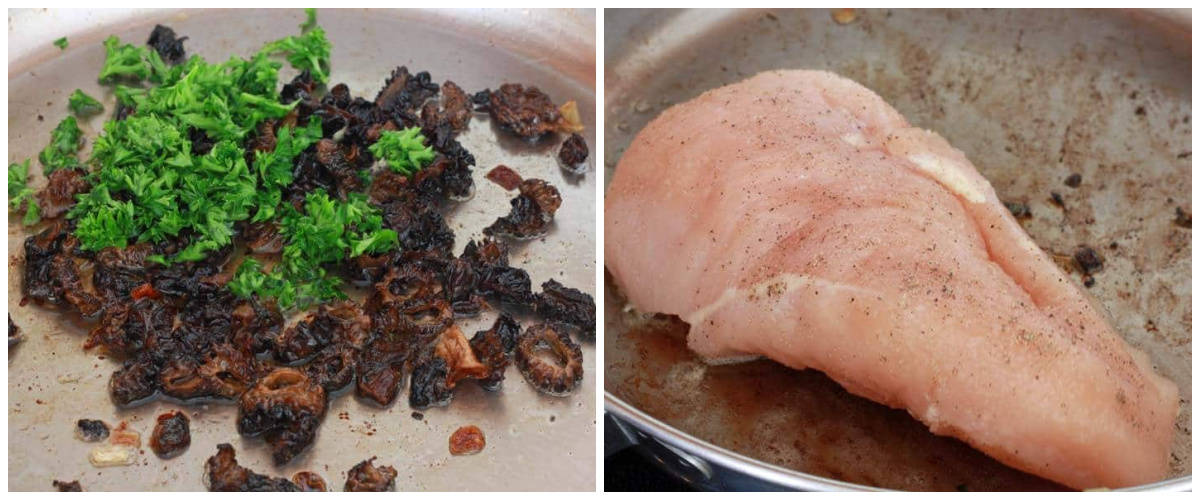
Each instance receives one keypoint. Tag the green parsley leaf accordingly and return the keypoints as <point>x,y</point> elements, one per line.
<point>327,231</point>
<point>124,61</point>
<point>309,51</point>
<point>274,168</point>
<point>83,105</point>
<point>61,43</point>
<point>65,141</point>
<point>20,194</point>
<point>404,151</point>
<point>310,20</point>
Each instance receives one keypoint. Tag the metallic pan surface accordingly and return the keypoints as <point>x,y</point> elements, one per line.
<point>534,442</point>
<point>1031,97</point>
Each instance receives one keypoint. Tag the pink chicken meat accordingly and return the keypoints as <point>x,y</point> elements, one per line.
<point>798,216</point>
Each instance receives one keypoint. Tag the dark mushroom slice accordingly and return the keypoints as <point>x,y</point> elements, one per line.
<point>449,361</point>
<point>525,111</point>
<point>222,473</point>
<point>403,92</point>
<point>493,347</point>
<point>163,41</point>
<point>52,274</point>
<point>531,214</point>
<point>262,238</point>
<point>456,106</point>
<point>222,372</point>
<point>408,305</point>
<point>487,252</point>
<point>365,476</point>
<point>389,187</point>
<point>333,368</point>
<point>572,156</point>
<point>286,407</point>
<point>421,229</point>
<point>309,481</point>
<point>380,370</point>
<point>567,305</point>
<point>558,378</point>
<point>264,139</point>
<point>120,271</point>
<point>255,325</point>
<point>67,486</point>
<point>124,327</point>
<point>340,322</point>
<point>428,387</point>
<point>460,280</point>
<point>507,285</point>
<point>14,333</point>
<point>59,194</point>
<point>136,382</point>
<point>90,430</point>
<point>171,435</point>
<point>301,88</point>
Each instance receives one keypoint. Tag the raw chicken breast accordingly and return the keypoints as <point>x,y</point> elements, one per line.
<point>796,215</point>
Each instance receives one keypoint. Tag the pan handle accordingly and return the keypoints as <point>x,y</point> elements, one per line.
<point>681,464</point>
<point>617,436</point>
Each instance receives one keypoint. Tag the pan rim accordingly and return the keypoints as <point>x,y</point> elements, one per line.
<point>775,474</point>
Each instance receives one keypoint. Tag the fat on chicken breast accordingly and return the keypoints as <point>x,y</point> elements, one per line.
<point>797,216</point>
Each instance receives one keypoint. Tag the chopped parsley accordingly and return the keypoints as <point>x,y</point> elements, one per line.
<point>83,105</point>
<point>61,43</point>
<point>148,185</point>
<point>65,141</point>
<point>310,20</point>
<point>128,62</point>
<point>307,52</point>
<point>329,230</point>
<point>21,194</point>
<point>404,151</point>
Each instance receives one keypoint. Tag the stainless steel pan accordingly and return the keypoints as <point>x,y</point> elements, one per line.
<point>534,442</point>
<point>1031,97</point>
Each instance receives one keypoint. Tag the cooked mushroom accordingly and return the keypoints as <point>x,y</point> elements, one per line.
<point>555,379</point>
<point>531,214</point>
<point>59,194</point>
<point>67,486</point>
<point>380,370</point>
<point>573,155</point>
<point>171,435</point>
<point>309,481</point>
<point>365,476</point>
<point>493,347</point>
<point>285,407</point>
<point>567,305</point>
<point>340,322</point>
<point>91,431</point>
<point>14,333</point>
<point>525,111</point>
<point>222,473</point>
